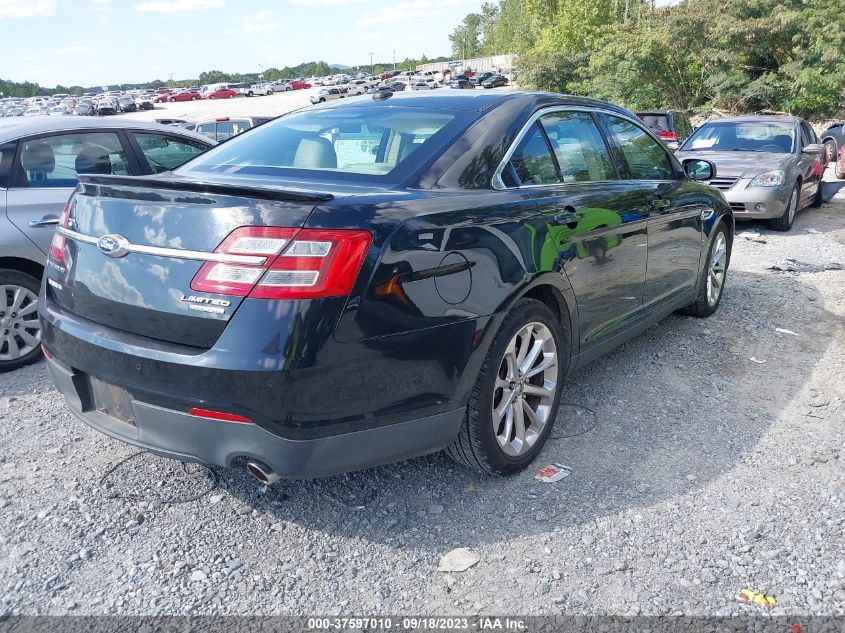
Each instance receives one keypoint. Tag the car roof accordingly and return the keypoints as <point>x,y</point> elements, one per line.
<point>471,101</point>
<point>757,118</point>
<point>14,128</point>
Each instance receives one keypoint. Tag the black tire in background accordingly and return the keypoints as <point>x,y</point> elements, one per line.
<point>476,445</point>
<point>14,324</point>
<point>830,149</point>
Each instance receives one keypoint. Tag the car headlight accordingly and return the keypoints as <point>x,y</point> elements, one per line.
<point>769,179</point>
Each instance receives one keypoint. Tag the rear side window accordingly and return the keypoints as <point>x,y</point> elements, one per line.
<point>657,122</point>
<point>165,152</point>
<point>578,146</point>
<point>208,129</point>
<point>55,161</point>
<point>646,158</point>
<point>532,161</point>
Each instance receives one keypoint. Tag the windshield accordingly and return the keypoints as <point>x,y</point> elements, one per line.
<point>357,143</point>
<point>758,136</point>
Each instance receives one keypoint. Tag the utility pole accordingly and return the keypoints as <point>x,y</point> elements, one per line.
<point>394,59</point>
<point>261,66</point>
<point>371,63</point>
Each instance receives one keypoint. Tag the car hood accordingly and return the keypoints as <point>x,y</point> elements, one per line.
<point>739,164</point>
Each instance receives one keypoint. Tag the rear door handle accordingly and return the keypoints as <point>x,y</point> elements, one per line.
<point>44,222</point>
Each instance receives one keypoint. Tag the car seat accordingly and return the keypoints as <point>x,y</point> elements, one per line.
<point>784,141</point>
<point>93,160</point>
<point>315,152</point>
<point>38,160</point>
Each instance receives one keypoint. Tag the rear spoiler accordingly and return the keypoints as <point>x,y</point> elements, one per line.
<point>246,191</point>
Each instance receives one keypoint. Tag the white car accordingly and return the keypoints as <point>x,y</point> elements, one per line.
<point>357,87</point>
<point>257,89</point>
<point>422,84</point>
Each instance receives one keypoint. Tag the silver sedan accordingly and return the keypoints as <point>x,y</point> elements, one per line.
<point>768,167</point>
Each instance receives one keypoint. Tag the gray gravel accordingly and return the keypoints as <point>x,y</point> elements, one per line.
<point>697,472</point>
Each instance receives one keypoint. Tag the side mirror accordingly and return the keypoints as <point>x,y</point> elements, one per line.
<point>813,148</point>
<point>699,170</point>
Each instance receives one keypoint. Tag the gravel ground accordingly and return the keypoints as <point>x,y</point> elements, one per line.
<point>696,472</point>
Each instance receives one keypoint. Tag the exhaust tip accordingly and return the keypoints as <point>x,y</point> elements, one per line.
<point>262,473</point>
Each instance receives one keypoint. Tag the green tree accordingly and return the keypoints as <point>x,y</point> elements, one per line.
<point>466,38</point>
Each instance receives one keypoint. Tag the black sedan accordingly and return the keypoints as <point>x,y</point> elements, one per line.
<point>462,83</point>
<point>494,81</point>
<point>374,279</point>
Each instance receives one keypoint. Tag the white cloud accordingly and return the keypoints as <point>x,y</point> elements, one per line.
<point>176,6</point>
<point>261,23</point>
<point>72,50</point>
<point>399,12</point>
<point>322,3</point>
<point>24,9</point>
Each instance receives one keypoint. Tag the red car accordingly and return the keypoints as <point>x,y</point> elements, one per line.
<point>222,93</point>
<point>297,85</point>
<point>839,165</point>
<point>185,95</point>
<point>162,97</point>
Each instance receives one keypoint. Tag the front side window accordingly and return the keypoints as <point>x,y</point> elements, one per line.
<point>532,160</point>
<point>55,161</point>
<point>349,143</point>
<point>578,146</point>
<point>646,158</point>
<point>164,152</point>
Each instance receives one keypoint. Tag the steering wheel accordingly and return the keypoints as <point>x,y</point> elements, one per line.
<point>777,148</point>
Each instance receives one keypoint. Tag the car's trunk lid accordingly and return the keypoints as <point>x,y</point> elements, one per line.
<point>169,226</point>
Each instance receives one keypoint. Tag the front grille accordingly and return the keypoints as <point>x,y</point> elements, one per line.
<point>723,184</point>
<point>738,207</point>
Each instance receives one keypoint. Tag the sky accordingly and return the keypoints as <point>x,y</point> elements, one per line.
<point>108,42</point>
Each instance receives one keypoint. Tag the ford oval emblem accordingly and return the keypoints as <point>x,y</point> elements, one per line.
<point>113,245</point>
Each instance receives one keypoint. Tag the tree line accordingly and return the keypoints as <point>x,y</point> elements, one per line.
<point>698,55</point>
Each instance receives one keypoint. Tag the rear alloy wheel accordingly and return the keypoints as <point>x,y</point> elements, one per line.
<point>784,222</point>
<point>20,330</point>
<point>515,399</point>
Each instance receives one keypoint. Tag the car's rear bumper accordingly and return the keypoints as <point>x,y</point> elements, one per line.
<point>179,435</point>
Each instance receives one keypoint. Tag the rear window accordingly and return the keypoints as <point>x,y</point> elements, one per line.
<point>357,143</point>
<point>656,122</point>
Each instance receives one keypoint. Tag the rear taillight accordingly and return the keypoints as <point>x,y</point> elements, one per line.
<point>668,136</point>
<point>299,264</point>
<point>57,246</point>
<point>218,415</point>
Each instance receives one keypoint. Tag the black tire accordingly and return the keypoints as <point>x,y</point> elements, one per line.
<point>702,307</point>
<point>9,277</point>
<point>476,445</point>
<point>784,222</point>
<point>830,149</point>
